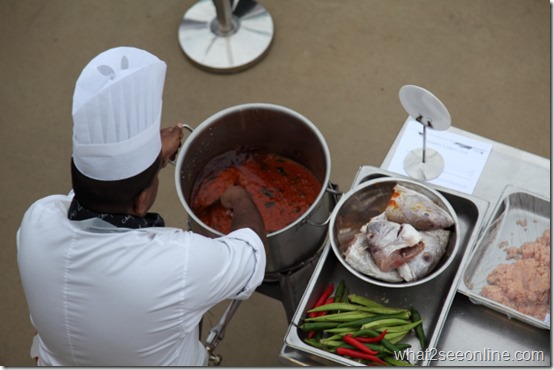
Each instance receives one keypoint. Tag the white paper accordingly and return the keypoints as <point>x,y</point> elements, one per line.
<point>464,158</point>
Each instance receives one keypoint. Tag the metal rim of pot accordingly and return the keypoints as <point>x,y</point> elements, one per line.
<point>443,203</point>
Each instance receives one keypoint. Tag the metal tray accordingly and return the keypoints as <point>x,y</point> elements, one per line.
<point>475,335</point>
<point>519,217</point>
<point>432,299</point>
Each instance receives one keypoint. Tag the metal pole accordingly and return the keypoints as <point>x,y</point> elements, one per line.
<point>424,143</point>
<point>224,17</point>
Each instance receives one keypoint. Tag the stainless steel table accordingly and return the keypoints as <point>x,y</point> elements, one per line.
<point>471,328</point>
<point>472,334</point>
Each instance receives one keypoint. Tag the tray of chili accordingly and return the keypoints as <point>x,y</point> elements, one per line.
<point>433,298</point>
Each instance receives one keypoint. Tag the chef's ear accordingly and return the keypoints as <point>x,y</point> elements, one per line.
<point>142,204</point>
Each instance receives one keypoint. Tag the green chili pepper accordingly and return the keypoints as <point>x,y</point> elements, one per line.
<point>333,338</point>
<point>403,346</point>
<point>420,333</point>
<point>390,346</point>
<point>356,307</point>
<point>336,306</point>
<point>315,343</point>
<point>338,330</point>
<point>342,317</point>
<point>406,327</point>
<point>359,323</point>
<point>345,293</point>
<point>377,347</point>
<point>396,337</point>
<point>395,362</point>
<point>385,323</point>
<point>366,333</point>
<point>340,291</point>
<point>317,326</point>
<point>363,301</point>
<point>332,344</point>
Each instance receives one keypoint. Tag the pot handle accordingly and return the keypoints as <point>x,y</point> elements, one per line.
<point>188,127</point>
<point>335,196</point>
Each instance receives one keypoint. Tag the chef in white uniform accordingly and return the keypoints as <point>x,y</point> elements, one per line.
<point>106,283</point>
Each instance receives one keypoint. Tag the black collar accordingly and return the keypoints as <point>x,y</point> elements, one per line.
<point>77,212</point>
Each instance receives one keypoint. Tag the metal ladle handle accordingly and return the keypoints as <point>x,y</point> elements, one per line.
<point>217,333</point>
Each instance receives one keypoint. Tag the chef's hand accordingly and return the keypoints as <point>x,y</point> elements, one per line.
<point>171,142</point>
<point>244,211</point>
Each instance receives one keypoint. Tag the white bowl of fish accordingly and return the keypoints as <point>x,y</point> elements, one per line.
<point>394,232</point>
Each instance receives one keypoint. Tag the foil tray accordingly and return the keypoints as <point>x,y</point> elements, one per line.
<point>432,299</point>
<point>518,217</point>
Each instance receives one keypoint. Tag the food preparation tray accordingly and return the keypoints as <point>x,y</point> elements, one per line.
<point>432,299</point>
<point>519,217</point>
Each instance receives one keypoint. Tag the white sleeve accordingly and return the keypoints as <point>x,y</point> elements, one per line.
<point>228,267</point>
<point>254,242</point>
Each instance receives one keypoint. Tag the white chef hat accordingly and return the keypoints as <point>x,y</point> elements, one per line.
<point>117,107</point>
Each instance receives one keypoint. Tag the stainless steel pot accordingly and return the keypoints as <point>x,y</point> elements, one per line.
<point>276,129</point>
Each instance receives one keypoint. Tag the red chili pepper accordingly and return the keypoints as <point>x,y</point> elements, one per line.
<point>372,339</point>
<point>322,299</point>
<point>329,300</point>
<point>355,343</point>
<point>359,354</point>
<point>325,295</point>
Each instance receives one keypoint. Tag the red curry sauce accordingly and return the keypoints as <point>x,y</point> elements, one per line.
<point>281,188</point>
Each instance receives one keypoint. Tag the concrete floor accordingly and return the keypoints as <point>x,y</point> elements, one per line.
<point>339,63</point>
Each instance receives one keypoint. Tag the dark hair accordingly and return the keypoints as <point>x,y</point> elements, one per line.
<point>111,196</point>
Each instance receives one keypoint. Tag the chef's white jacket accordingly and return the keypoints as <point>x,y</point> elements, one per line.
<point>100,295</point>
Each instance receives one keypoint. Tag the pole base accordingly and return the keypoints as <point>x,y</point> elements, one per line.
<point>233,52</point>
<point>428,170</point>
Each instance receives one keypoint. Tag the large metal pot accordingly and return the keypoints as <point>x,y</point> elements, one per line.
<point>276,129</point>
